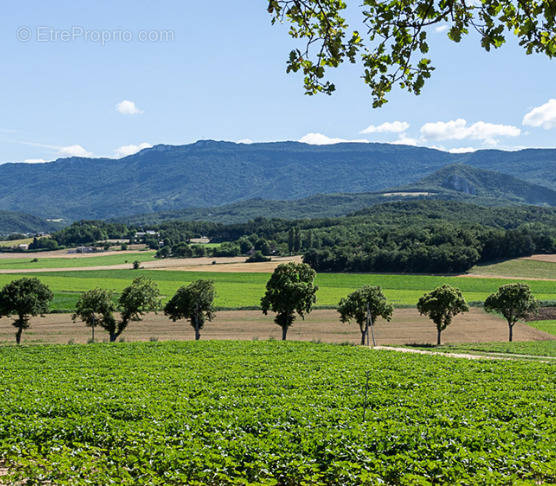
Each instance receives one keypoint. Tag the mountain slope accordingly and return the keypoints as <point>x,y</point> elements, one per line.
<point>485,185</point>
<point>456,182</point>
<point>211,173</point>
<point>11,222</point>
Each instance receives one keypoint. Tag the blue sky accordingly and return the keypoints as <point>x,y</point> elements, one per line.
<point>216,70</point>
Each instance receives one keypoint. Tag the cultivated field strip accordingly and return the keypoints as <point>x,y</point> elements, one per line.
<point>244,290</point>
<point>271,413</point>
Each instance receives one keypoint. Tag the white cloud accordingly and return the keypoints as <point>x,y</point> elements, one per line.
<point>127,107</point>
<point>462,150</point>
<point>34,161</point>
<point>246,141</point>
<point>441,28</point>
<point>131,149</point>
<point>459,130</point>
<point>387,127</point>
<point>542,116</point>
<point>73,151</point>
<point>403,139</point>
<point>320,139</point>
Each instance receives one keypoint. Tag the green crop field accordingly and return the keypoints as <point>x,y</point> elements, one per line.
<point>237,290</point>
<point>533,348</point>
<point>93,261</point>
<point>518,268</point>
<point>271,413</point>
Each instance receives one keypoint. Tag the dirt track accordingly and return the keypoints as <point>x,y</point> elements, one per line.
<point>407,327</point>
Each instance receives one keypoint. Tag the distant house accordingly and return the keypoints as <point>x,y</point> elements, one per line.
<point>203,240</point>
<point>83,249</point>
<point>23,247</point>
<point>143,234</point>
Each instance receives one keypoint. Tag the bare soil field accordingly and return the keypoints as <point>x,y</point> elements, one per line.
<point>236,264</point>
<point>406,327</point>
<point>544,314</point>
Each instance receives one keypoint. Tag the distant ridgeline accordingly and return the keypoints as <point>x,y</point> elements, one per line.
<point>209,174</point>
<point>414,236</point>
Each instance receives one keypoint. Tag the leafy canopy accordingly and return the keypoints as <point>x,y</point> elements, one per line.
<point>394,49</point>
<point>290,289</point>
<point>194,302</point>
<point>514,301</point>
<point>356,304</point>
<point>140,297</point>
<point>442,304</point>
<point>96,307</point>
<point>25,298</point>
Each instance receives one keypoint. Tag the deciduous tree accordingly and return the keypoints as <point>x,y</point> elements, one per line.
<point>24,298</point>
<point>194,302</point>
<point>441,305</point>
<point>514,301</point>
<point>140,297</point>
<point>96,307</point>
<point>290,290</point>
<point>366,300</point>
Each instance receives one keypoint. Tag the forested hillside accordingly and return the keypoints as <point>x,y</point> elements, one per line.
<point>456,182</point>
<point>210,173</point>
<point>485,186</point>
<point>13,222</point>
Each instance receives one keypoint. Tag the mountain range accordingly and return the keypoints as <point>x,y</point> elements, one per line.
<point>210,174</point>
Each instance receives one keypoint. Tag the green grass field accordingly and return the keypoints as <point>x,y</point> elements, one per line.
<point>546,326</point>
<point>93,261</point>
<point>13,243</point>
<point>270,413</point>
<point>518,268</point>
<point>237,290</point>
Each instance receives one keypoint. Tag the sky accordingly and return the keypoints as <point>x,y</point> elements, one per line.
<point>105,79</point>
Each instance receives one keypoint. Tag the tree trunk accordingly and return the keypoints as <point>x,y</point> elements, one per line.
<point>438,341</point>
<point>113,337</point>
<point>363,335</point>
<point>18,335</point>
<point>197,333</point>
<point>511,332</point>
<point>284,332</point>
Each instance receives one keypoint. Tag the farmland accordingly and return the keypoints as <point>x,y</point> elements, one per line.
<point>533,348</point>
<point>14,243</point>
<point>268,413</point>
<point>35,261</point>
<point>519,268</point>
<point>241,290</point>
<point>548,326</point>
<point>322,325</point>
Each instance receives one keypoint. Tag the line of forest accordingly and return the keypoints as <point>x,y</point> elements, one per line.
<point>412,237</point>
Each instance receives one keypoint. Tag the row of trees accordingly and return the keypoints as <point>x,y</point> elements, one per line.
<point>290,293</point>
